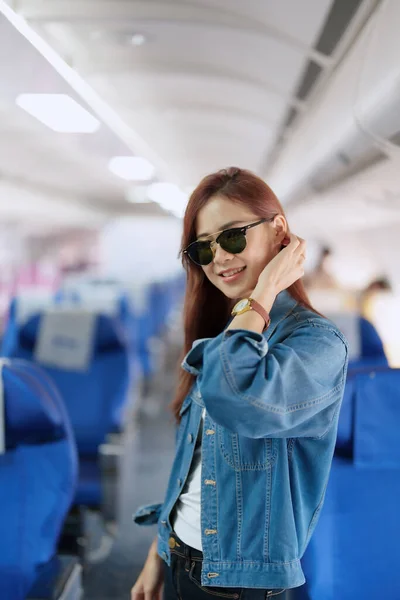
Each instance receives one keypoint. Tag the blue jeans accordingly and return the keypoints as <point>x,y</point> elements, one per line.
<point>182,579</point>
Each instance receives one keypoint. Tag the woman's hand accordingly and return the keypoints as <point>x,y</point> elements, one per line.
<point>282,271</point>
<point>149,585</point>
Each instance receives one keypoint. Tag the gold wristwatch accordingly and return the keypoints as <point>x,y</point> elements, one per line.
<point>250,304</point>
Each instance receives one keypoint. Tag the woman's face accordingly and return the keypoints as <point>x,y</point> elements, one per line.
<point>263,243</point>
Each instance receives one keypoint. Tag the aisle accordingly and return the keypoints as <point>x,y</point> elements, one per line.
<point>149,454</point>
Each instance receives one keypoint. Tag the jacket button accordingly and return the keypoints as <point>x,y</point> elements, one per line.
<point>171,543</point>
<point>164,555</point>
<point>179,482</point>
<point>190,438</point>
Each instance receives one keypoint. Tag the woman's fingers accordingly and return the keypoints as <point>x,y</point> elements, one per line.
<point>300,249</point>
<point>296,244</point>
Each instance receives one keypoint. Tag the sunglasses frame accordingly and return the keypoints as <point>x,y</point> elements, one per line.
<point>239,229</point>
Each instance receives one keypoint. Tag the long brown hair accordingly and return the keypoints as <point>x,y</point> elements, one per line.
<point>206,309</point>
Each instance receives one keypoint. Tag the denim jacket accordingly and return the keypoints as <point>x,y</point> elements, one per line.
<point>272,405</point>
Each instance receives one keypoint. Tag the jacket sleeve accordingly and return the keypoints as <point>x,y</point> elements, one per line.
<point>147,515</point>
<point>292,389</point>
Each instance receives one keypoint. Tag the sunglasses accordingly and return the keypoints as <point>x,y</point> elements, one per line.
<point>234,241</point>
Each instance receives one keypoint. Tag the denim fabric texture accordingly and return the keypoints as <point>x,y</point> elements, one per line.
<point>182,579</point>
<point>272,405</point>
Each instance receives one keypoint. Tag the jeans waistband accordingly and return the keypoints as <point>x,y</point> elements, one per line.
<point>178,547</point>
<point>190,555</point>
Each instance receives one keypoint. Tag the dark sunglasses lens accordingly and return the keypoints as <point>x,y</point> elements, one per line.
<point>232,241</point>
<point>200,253</point>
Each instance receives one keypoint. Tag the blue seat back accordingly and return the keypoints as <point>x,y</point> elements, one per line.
<point>353,551</point>
<point>366,353</point>
<point>38,475</point>
<point>21,308</point>
<point>96,394</point>
<point>371,343</point>
<point>376,419</point>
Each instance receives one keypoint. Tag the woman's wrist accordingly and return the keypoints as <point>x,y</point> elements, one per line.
<point>250,320</point>
<point>265,298</point>
<point>153,548</point>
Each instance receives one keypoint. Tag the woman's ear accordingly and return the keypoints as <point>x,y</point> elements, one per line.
<point>281,229</point>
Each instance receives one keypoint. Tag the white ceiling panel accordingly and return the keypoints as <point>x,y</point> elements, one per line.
<point>220,66</point>
<point>365,202</point>
<point>30,153</point>
<point>299,22</point>
<point>163,92</point>
<point>211,86</point>
<point>238,53</point>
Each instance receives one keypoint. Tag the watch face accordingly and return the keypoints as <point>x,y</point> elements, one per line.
<point>241,304</point>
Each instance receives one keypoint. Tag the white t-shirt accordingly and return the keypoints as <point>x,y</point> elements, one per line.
<point>187,516</point>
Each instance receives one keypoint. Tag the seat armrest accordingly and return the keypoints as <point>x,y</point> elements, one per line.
<point>110,456</point>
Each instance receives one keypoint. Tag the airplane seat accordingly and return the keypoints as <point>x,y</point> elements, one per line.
<point>366,351</point>
<point>353,550</point>
<point>38,476</point>
<point>152,305</point>
<point>21,307</point>
<point>107,301</point>
<point>86,358</point>
<point>145,332</point>
<point>371,343</point>
<point>101,299</point>
<point>365,345</point>
<point>157,303</point>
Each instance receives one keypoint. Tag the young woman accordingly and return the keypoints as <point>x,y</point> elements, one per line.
<point>257,405</point>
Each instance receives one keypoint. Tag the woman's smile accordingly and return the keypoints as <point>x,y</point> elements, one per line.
<point>232,275</point>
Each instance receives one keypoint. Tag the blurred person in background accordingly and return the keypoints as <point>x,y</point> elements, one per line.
<point>325,291</point>
<point>369,295</point>
<point>321,277</point>
<point>257,405</point>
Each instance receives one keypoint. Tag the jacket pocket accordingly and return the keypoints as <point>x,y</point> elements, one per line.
<point>147,515</point>
<point>246,454</point>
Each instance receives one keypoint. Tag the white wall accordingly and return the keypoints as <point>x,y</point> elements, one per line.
<point>141,249</point>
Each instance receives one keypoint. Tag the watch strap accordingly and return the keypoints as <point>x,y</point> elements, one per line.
<point>261,311</point>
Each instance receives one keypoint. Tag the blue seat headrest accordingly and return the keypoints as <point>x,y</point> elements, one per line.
<point>32,413</point>
<point>371,343</point>
<point>108,333</point>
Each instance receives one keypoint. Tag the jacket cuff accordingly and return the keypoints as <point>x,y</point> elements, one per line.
<point>256,340</point>
<point>147,515</point>
<point>193,361</point>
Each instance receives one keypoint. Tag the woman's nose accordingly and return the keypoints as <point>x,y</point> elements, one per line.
<point>219,253</point>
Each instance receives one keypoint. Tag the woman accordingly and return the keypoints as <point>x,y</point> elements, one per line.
<point>257,405</point>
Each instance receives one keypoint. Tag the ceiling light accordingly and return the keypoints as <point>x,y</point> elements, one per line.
<point>131,168</point>
<point>60,112</point>
<point>169,196</point>
<point>137,39</point>
<point>107,115</point>
<point>137,194</point>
